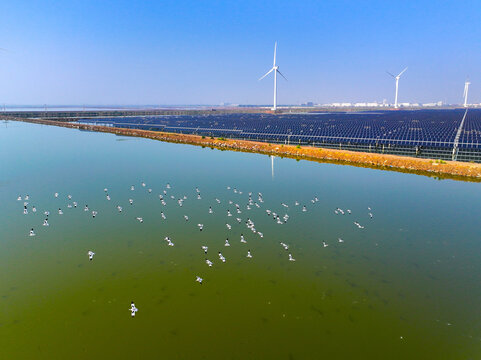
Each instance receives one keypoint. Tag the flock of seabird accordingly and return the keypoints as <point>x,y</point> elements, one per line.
<point>251,203</point>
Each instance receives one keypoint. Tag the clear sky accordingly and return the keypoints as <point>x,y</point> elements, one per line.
<point>208,52</point>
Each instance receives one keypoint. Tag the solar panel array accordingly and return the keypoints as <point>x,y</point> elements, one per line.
<point>470,137</point>
<point>414,128</point>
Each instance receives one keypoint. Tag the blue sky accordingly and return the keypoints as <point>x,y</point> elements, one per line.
<point>208,52</point>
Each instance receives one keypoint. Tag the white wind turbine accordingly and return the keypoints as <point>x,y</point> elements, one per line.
<point>275,68</point>
<point>397,85</point>
<point>465,94</point>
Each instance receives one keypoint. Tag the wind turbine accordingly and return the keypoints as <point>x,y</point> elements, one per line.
<point>397,84</point>
<point>465,94</point>
<point>275,68</point>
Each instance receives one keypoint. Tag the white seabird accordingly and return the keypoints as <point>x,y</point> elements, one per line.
<point>133,309</point>
<point>199,279</point>
<point>91,254</point>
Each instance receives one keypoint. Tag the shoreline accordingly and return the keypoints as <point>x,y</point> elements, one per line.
<point>433,168</point>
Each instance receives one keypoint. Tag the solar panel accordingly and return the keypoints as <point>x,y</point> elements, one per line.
<point>415,129</point>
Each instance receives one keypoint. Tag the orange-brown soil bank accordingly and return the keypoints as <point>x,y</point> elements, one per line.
<point>451,169</point>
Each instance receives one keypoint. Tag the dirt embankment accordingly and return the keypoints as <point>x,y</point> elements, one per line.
<point>450,169</point>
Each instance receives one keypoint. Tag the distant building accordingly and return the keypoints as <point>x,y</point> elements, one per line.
<point>308,104</point>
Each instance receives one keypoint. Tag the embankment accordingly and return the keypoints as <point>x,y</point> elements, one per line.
<point>444,169</point>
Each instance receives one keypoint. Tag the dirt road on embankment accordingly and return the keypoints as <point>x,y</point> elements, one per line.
<point>434,168</point>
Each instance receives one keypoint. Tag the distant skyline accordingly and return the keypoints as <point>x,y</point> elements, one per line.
<point>210,52</point>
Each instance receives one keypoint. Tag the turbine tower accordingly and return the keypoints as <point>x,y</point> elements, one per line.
<point>274,68</point>
<point>397,85</point>
<point>465,94</point>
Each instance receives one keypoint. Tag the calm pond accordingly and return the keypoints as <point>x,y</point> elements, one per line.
<point>395,277</point>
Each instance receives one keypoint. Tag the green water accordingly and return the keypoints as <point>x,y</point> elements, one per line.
<point>407,286</point>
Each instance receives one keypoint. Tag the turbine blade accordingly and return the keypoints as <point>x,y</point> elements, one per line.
<point>390,74</point>
<point>275,50</point>
<point>281,74</point>
<point>402,72</point>
<point>267,73</point>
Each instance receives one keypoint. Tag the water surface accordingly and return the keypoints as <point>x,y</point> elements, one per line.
<point>405,286</point>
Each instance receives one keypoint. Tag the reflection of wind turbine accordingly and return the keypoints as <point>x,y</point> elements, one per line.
<point>272,165</point>
<point>397,85</point>
<point>465,94</point>
<point>275,68</point>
